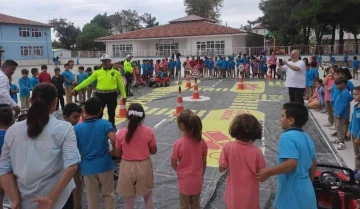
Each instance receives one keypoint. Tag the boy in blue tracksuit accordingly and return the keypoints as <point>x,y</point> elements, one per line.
<point>82,76</point>
<point>34,80</point>
<point>231,68</point>
<point>354,129</point>
<point>224,66</point>
<point>25,88</point>
<point>332,59</point>
<point>178,67</point>
<point>309,82</point>
<point>218,66</point>
<point>14,89</point>
<point>211,66</point>
<point>341,111</point>
<point>171,67</point>
<point>145,70</point>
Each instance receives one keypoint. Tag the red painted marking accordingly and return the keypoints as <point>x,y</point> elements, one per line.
<point>251,86</point>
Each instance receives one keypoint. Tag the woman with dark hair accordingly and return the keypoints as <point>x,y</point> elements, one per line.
<point>40,156</point>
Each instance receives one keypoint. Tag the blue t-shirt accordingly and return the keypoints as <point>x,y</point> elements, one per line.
<point>145,69</point>
<point>354,126</point>
<point>34,81</point>
<point>210,65</point>
<point>25,86</point>
<point>346,58</point>
<point>93,146</point>
<point>68,76</point>
<point>2,137</point>
<point>92,83</point>
<point>81,77</point>
<point>224,64</point>
<point>309,80</point>
<point>355,64</point>
<point>342,104</point>
<point>14,96</point>
<point>332,59</point>
<point>178,65</point>
<point>319,59</point>
<point>295,189</point>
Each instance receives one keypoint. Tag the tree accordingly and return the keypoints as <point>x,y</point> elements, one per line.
<point>124,21</point>
<point>248,27</point>
<point>204,8</point>
<point>102,20</point>
<point>149,20</point>
<point>56,44</point>
<point>65,31</point>
<point>91,31</point>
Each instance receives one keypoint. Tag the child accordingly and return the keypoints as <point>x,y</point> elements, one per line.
<point>262,67</point>
<point>6,120</point>
<point>317,99</point>
<point>341,111</point>
<point>69,82</point>
<point>58,81</point>
<point>319,61</point>
<point>244,160</point>
<point>91,86</point>
<point>224,67</point>
<point>82,76</point>
<point>96,165</point>
<point>71,114</point>
<point>255,69</point>
<point>44,76</point>
<point>206,67</point>
<point>354,130</point>
<point>25,88</point>
<point>309,83</point>
<point>14,89</point>
<point>211,67</point>
<point>34,79</point>
<point>178,67</point>
<point>157,67</point>
<point>355,67</point>
<point>151,68</point>
<point>328,82</point>
<point>134,145</point>
<point>232,68</point>
<point>332,59</point>
<point>314,71</point>
<point>297,165</point>
<point>247,69</point>
<point>219,64</point>
<point>188,159</point>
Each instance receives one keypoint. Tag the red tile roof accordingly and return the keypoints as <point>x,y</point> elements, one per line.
<point>191,18</point>
<point>19,21</point>
<point>181,29</point>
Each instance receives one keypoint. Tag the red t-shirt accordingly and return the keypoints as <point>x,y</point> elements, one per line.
<point>44,77</point>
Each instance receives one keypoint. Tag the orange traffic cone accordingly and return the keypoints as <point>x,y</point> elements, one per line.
<point>188,84</point>
<point>196,91</point>
<point>241,84</point>
<point>123,111</point>
<point>179,105</point>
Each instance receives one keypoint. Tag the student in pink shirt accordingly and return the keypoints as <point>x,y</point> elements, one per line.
<point>243,160</point>
<point>134,145</point>
<point>157,67</point>
<point>188,159</point>
<point>328,82</point>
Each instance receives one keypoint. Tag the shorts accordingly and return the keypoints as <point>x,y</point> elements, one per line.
<point>136,178</point>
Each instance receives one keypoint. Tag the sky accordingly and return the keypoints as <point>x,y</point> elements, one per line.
<point>234,12</point>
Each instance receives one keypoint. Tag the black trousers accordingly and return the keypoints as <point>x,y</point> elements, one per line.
<point>110,101</point>
<point>296,95</point>
<point>129,78</point>
<point>69,203</point>
<point>61,102</point>
<point>273,69</point>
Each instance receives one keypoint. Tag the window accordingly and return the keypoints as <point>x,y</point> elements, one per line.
<point>122,50</point>
<point>38,50</point>
<point>210,48</point>
<point>24,32</point>
<point>26,50</point>
<point>166,49</point>
<point>36,32</point>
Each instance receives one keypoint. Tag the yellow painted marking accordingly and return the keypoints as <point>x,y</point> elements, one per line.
<point>170,112</point>
<point>161,111</point>
<point>225,89</point>
<point>218,89</point>
<point>246,104</point>
<point>263,97</point>
<point>201,113</point>
<point>194,111</point>
<point>244,107</point>
<point>204,89</point>
<point>152,111</point>
<point>211,89</point>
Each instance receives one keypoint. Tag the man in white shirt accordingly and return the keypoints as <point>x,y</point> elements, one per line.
<point>6,71</point>
<point>295,77</point>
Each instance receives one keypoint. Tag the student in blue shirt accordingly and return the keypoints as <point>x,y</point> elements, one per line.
<point>296,164</point>
<point>211,66</point>
<point>354,130</point>
<point>25,88</point>
<point>34,80</point>
<point>218,66</point>
<point>345,60</point>
<point>319,61</point>
<point>341,111</point>
<point>224,67</point>
<point>14,89</point>
<point>232,68</point>
<point>69,82</point>
<point>151,68</point>
<point>309,82</point>
<point>81,76</point>
<point>178,67</point>
<point>355,67</point>
<point>332,59</point>
<point>171,67</point>
<point>96,165</point>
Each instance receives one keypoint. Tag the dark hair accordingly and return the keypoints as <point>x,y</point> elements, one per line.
<point>192,124</point>
<point>42,97</point>
<point>93,106</point>
<point>70,108</point>
<point>88,69</point>
<point>34,70</point>
<point>69,62</point>
<point>56,69</point>
<point>10,63</point>
<point>341,81</point>
<point>66,65</point>
<point>313,64</point>
<point>357,88</point>
<point>43,67</point>
<point>134,120</point>
<point>319,81</point>
<point>355,57</point>
<point>307,64</point>
<point>96,67</point>
<point>24,71</point>
<point>245,127</point>
<point>297,111</point>
<point>346,72</point>
<point>6,116</point>
<point>81,68</point>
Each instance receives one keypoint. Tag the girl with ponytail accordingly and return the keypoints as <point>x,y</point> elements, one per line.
<point>40,156</point>
<point>134,145</point>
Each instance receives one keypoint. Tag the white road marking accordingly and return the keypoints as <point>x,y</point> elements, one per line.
<point>215,84</point>
<point>158,124</point>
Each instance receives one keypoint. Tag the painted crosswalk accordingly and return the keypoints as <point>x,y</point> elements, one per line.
<point>277,83</point>
<point>245,102</point>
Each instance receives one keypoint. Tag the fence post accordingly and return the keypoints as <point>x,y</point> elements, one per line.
<point>289,50</point>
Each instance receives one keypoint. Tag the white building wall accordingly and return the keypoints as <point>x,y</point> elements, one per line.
<point>226,38</point>
<point>260,31</point>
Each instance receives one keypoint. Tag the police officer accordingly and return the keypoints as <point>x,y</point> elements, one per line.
<point>129,70</point>
<point>109,82</point>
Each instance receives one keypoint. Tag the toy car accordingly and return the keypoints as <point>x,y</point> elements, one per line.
<point>336,189</point>
<point>159,81</point>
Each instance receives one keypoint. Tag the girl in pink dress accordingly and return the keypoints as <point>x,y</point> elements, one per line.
<point>188,159</point>
<point>243,160</point>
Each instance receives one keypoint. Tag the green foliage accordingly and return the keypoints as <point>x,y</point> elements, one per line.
<point>149,20</point>
<point>91,31</point>
<point>66,32</point>
<point>126,20</point>
<point>102,20</point>
<point>204,8</point>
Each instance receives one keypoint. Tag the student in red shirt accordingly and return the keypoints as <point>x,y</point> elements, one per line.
<point>44,76</point>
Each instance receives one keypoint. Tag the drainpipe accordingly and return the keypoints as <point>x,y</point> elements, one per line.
<point>47,47</point>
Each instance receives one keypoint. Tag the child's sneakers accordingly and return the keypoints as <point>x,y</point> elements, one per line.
<point>341,145</point>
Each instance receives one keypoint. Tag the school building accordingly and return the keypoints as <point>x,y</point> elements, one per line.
<point>190,36</point>
<point>25,41</point>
